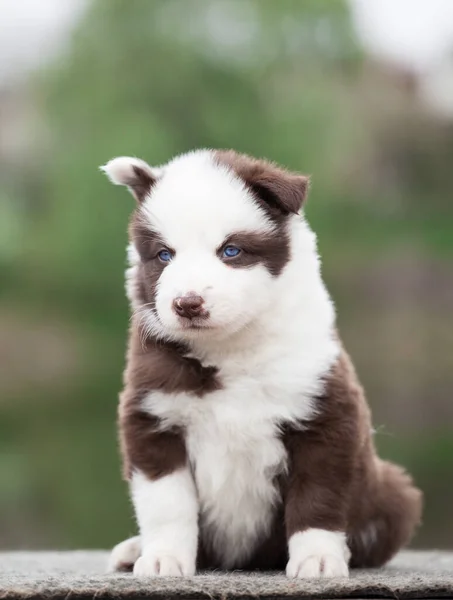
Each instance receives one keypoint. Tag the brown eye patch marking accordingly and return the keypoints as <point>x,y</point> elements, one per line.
<point>268,249</point>
<point>148,244</point>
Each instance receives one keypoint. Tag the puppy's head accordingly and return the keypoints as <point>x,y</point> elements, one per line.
<point>209,239</point>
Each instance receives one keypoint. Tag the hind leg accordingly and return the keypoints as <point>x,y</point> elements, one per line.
<point>125,555</point>
<point>386,517</point>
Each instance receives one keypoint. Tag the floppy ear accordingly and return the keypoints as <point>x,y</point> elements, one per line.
<point>134,173</point>
<point>280,190</point>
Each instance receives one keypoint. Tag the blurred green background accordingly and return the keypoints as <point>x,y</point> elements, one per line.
<point>289,80</point>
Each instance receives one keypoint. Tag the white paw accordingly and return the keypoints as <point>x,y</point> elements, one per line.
<point>124,555</point>
<point>324,565</point>
<point>152,565</point>
<point>318,553</point>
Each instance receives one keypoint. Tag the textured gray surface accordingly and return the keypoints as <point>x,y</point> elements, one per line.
<point>73,575</point>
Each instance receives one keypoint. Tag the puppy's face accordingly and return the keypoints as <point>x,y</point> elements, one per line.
<point>208,240</point>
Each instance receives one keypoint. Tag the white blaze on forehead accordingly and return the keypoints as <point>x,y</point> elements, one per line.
<point>200,200</point>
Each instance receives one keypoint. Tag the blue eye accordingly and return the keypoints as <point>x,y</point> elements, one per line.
<point>230,251</point>
<point>165,255</point>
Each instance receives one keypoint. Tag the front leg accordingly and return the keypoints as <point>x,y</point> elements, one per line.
<point>162,490</point>
<point>322,464</point>
<point>315,510</point>
<point>166,511</point>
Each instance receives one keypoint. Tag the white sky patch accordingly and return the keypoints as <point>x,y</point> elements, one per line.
<point>417,34</point>
<point>32,32</point>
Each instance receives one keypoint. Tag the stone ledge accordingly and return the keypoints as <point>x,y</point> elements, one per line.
<point>81,574</point>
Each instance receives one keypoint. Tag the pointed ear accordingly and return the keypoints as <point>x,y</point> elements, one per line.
<point>134,173</point>
<point>280,190</point>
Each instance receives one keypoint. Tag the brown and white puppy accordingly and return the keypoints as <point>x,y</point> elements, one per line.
<point>245,434</point>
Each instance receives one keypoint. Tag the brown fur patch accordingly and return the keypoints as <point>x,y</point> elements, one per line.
<point>155,453</point>
<point>271,250</point>
<point>278,191</point>
<point>163,366</point>
<point>148,244</point>
<point>386,510</point>
<point>140,185</point>
<point>323,457</point>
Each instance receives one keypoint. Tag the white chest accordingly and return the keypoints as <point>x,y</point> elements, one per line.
<point>234,448</point>
<point>235,459</point>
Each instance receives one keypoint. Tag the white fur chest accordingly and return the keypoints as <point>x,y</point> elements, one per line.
<point>234,447</point>
<point>235,456</point>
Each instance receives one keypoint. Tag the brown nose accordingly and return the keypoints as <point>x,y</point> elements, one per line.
<point>189,306</point>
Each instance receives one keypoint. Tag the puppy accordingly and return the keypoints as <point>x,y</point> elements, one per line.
<point>245,434</point>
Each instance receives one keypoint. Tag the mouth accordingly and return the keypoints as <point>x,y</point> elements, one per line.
<point>195,324</point>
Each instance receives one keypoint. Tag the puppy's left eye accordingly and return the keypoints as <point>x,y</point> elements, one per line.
<point>165,255</point>
<point>231,251</point>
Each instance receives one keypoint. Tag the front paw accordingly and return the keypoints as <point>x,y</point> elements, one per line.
<point>124,555</point>
<point>316,553</point>
<point>316,566</point>
<point>155,565</point>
